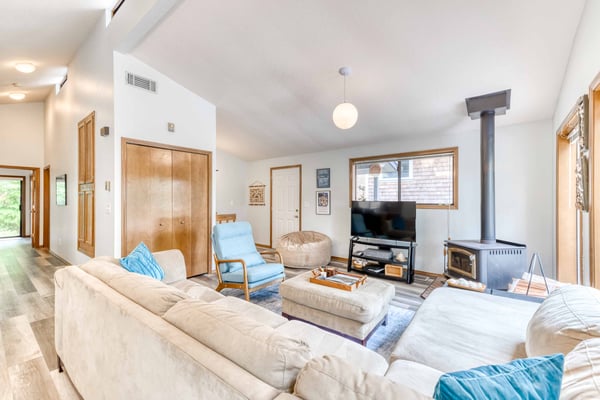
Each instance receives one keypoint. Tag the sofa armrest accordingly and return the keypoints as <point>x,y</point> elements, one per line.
<point>173,263</point>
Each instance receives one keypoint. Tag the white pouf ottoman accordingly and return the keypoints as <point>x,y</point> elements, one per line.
<point>305,249</point>
<point>353,314</point>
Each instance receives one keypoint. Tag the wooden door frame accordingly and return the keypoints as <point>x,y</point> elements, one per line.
<point>46,195</point>
<point>594,144</point>
<point>124,142</point>
<point>35,218</point>
<point>299,166</point>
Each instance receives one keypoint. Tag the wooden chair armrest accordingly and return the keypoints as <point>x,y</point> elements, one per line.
<point>272,251</point>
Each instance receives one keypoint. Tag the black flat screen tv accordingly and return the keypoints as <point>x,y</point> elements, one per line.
<point>395,220</point>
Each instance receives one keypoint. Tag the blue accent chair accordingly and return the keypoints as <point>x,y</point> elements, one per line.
<point>239,265</point>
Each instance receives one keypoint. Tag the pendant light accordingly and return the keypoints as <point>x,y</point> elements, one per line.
<point>345,114</point>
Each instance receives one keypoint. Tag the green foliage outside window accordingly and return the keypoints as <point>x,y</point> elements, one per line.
<point>10,204</point>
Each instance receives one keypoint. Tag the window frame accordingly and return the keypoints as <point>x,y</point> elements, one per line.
<point>413,155</point>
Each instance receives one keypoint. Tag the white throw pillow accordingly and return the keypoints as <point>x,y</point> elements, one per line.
<point>568,316</point>
<point>581,378</point>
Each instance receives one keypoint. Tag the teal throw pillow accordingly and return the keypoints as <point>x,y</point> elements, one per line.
<point>141,261</point>
<point>537,378</point>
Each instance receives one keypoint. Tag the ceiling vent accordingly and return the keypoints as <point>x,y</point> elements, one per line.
<point>141,82</point>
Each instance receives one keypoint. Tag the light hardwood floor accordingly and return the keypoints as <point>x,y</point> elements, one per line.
<point>28,364</point>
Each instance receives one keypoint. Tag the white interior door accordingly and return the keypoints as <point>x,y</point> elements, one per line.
<point>285,202</point>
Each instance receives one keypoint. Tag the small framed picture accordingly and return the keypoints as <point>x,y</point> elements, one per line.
<point>323,202</point>
<point>323,180</point>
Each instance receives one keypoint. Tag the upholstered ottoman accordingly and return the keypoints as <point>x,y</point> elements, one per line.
<point>305,249</point>
<point>353,314</point>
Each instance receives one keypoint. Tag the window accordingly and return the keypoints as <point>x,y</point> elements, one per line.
<point>427,177</point>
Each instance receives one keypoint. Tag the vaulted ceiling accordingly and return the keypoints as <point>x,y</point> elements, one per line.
<point>270,66</point>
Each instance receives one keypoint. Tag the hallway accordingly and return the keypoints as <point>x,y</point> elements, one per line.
<point>28,364</point>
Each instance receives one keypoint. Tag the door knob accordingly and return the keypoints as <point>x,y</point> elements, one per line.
<point>182,222</point>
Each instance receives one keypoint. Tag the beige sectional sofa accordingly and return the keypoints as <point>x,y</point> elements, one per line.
<point>121,335</point>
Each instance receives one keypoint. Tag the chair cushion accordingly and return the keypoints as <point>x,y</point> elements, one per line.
<point>255,347</point>
<point>141,261</point>
<point>234,241</point>
<point>528,379</point>
<point>331,377</point>
<point>581,378</point>
<point>568,316</point>
<point>256,273</point>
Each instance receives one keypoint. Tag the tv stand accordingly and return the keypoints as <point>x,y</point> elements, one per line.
<point>381,258</point>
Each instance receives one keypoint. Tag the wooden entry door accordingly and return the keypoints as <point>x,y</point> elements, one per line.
<point>86,242</point>
<point>166,201</point>
<point>285,201</point>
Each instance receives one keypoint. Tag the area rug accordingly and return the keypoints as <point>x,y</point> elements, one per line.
<point>382,341</point>
<point>437,282</point>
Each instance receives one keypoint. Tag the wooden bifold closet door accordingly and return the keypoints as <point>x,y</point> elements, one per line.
<point>166,205</point>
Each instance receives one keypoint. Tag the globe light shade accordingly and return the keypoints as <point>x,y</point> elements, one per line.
<point>25,68</point>
<point>16,96</point>
<point>345,115</point>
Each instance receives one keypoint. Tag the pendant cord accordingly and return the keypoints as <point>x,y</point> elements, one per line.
<point>344,88</point>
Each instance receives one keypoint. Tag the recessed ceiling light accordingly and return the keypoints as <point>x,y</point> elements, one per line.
<point>26,68</point>
<point>16,96</point>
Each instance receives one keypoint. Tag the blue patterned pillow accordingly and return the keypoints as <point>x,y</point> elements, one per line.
<point>141,261</point>
<point>537,378</point>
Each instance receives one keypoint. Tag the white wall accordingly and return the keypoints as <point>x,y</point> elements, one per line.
<point>89,88</point>
<point>584,62</point>
<point>231,178</point>
<point>140,114</point>
<point>524,194</point>
<point>583,67</point>
<point>22,133</point>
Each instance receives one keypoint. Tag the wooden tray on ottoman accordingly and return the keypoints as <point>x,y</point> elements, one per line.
<point>339,280</point>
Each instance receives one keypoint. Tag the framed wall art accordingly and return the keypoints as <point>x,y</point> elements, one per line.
<point>323,202</point>
<point>323,178</point>
<point>257,194</point>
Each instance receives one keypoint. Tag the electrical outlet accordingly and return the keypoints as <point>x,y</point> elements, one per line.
<point>171,126</point>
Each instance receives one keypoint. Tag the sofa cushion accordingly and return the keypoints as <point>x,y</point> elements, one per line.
<point>256,347</point>
<point>528,379</point>
<point>322,342</point>
<point>331,377</point>
<point>568,316</point>
<point>581,379</point>
<point>149,293</point>
<point>415,375</point>
<point>457,329</point>
<point>197,291</point>
<point>253,311</point>
<point>141,261</point>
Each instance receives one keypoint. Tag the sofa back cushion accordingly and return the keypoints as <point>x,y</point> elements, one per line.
<point>568,316</point>
<point>581,379</point>
<point>331,377</point>
<point>256,347</point>
<point>155,296</point>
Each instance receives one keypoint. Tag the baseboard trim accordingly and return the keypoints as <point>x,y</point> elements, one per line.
<point>429,274</point>
<point>339,259</point>
<point>59,257</point>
